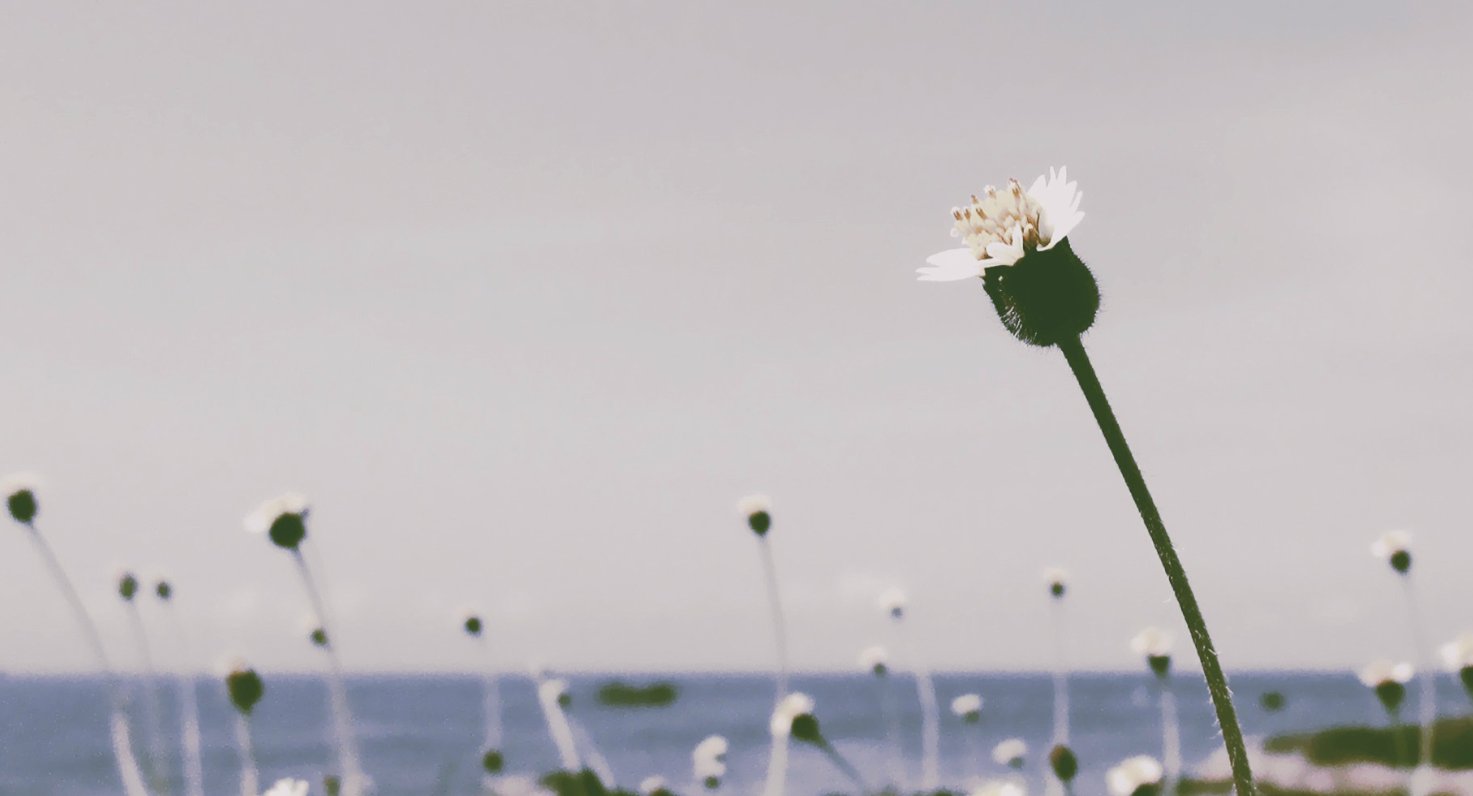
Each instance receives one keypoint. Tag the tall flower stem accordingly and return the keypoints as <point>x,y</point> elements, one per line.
<point>157,756</point>
<point>128,769</point>
<point>194,772</point>
<point>1217,684</point>
<point>353,779</point>
<point>250,777</point>
<point>846,768</point>
<point>1170,737</point>
<point>930,717</point>
<point>777,766</point>
<point>1427,705</point>
<point>1061,676</point>
<point>490,700</point>
<point>892,731</point>
<point>779,622</point>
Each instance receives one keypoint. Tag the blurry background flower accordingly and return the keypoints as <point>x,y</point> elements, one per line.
<point>1395,548</point>
<point>1457,656</point>
<point>1133,774</point>
<point>1388,680</point>
<point>1154,644</point>
<point>875,660</point>
<point>282,518</point>
<point>1057,581</point>
<point>893,602</point>
<point>968,708</point>
<point>708,761</point>
<point>20,491</point>
<point>1012,753</point>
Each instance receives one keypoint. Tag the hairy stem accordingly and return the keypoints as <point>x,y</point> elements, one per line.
<point>1217,684</point>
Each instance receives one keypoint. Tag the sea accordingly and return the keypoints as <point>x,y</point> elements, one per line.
<point>422,735</point>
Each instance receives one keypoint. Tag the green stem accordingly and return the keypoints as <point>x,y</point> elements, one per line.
<point>845,767</point>
<point>1217,684</point>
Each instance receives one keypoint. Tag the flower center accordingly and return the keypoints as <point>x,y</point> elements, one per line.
<point>1009,216</point>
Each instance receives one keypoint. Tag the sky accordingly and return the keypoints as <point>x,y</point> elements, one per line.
<point>525,296</point>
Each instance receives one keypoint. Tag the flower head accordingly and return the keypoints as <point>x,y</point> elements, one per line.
<point>1016,241</point>
<point>653,786</point>
<point>492,761</point>
<point>244,687</point>
<point>967,707</point>
<point>163,589</point>
<point>1132,774</point>
<point>758,511</point>
<point>1011,753</point>
<point>471,623</point>
<point>1062,760</point>
<point>283,518</point>
<point>787,711</point>
<point>288,787</point>
<point>127,586</point>
<point>875,660</point>
<point>708,760</point>
<point>893,602</point>
<point>1395,548</point>
<point>1388,680</point>
<point>998,787</point>
<point>20,490</point>
<point>1057,581</point>
<point>1457,654</point>
<point>1155,645</point>
<point>314,631</point>
<point>554,690</point>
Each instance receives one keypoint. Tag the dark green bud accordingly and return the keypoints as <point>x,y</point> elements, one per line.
<point>1045,297</point>
<point>164,590</point>
<point>712,783</point>
<point>1160,664</point>
<point>1056,589</point>
<point>1062,760</point>
<point>1272,701</point>
<point>332,785</point>
<point>245,689</point>
<point>492,761</point>
<point>1466,675</point>
<point>805,728</point>
<point>1391,694</point>
<point>759,522</point>
<point>288,530</point>
<point>318,637</point>
<point>1401,561</point>
<point>127,586</point>
<point>22,504</point>
<point>473,625</point>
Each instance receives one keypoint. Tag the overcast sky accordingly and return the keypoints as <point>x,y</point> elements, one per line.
<point>526,296</point>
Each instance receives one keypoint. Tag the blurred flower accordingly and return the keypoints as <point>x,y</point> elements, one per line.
<point>709,760</point>
<point>1010,753</point>
<point>893,602</point>
<point>127,586</point>
<point>1062,760</point>
<point>20,496</point>
<point>1388,680</point>
<point>967,707</point>
<point>244,687</point>
<point>758,511</point>
<point>875,660</point>
<point>471,624</point>
<point>999,787</point>
<point>288,787</point>
<point>1395,548</point>
<point>164,590</point>
<point>1057,581</point>
<point>789,708</point>
<point>1155,645</point>
<point>654,786</point>
<point>1002,227</point>
<point>555,690</point>
<point>1458,653</point>
<point>492,761</point>
<point>1132,774</point>
<point>282,518</point>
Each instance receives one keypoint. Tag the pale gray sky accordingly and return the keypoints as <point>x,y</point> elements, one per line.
<point>526,295</point>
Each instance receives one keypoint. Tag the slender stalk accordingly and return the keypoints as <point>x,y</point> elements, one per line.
<point>779,623</point>
<point>845,767</point>
<point>892,731</point>
<point>1217,683</point>
<point>930,722</point>
<point>250,777</point>
<point>1398,738</point>
<point>490,700</point>
<point>596,761</point>
<point>1061,676</point>
<point>353,779</point>
<point>128,769</point>
<point>777,766</point>
<point>157,756</point>
<point>559,729</point>
<point>1427,705</point>
<point>194,773</point>
<point>1170,738</point>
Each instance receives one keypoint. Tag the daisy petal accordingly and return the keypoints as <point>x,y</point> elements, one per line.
<point>951,265</point>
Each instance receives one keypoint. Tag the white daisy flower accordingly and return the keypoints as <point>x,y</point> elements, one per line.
<point>709,758</point>
<point>1057,580</point>
<point>1395,548</point>
<point>1010,752</point>
<point>893,602</point>
<point>754,504</point>
<point>967,706</point>
<point>553,690</point>
<point>288,787</point>
<point>1153,642</point>
<point>266,514</point>
<point>1457,654</point>
<point>999,787</point>
<point>875,660</point>
<point>1131,774</point>
<point>652,785</point>
<point>1002,226</point>
<point>791,707</point>
<point>1383,671</point>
